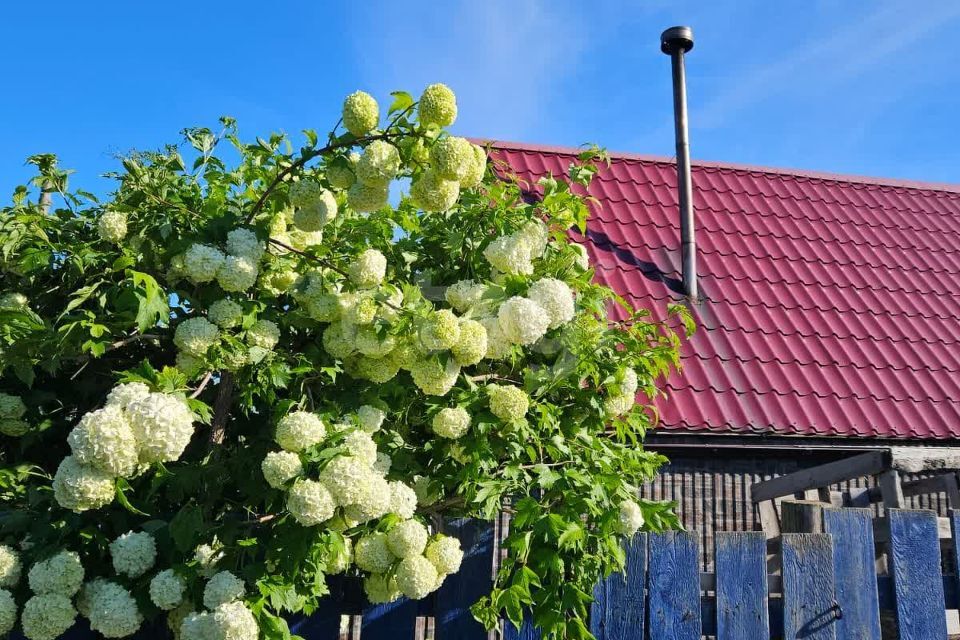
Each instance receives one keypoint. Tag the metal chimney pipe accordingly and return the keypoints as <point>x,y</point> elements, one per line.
<point>675,42</point>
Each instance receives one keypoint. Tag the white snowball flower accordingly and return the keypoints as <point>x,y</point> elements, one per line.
<point>360,113</point>
<point>11,407</point>
<point>409,538</point>
<point>432,192</point>
<point>167,589</point>
<point>416,577</point>
<point>223,587</point>
<point>630,518</point>
<point>451,422</point>
<point>103,439</point>
<point>379,163</point>
<point>476,170</point>
<point>369,269</point>
<point>383,463</point>
<point>582,258</point>
<point>8,612</point>
<point>440,330</point>
<point>536,235</point>
<point>47,616</point>
<point>244,243</point>
<point>225,313</point>
<point>510,254</point>
<point>112,226</point>
<point>438,105</point>
<point>371,418</point>
<point>373,500</point>
<point>310,502</point>
<point>618,405</point>
<point>201,263</point>
<point>445,554</point>
<point>497,344</point>
<point>315,215</point>
<point>14,301</point>
<point>163,426</point>
<point>79,488</point>
<point>556,298</point>
<point>471,346</point>
<point>279,467</point>
<point>234,621</point>
<point>113,611</point>
<point>339,561</point>
<point>263,333</point>
<point>303,193</point>
<point>366,198</point>
<point>10,567</point>
<point>238,273</point>
<point>86,594</point>
<point>346,478</point>
<point>123,395</point>
<point>300,430</point>
<point>133,553</point>
<point>196,335</point>
<point>452,157</point>
<point>13,428</point>
<point>522,320</point>
<point>340,177</point>
<point>198,626</point>
<point>361,446</point>
<point>403,500</point>
<point>434,378</point>
<point>381,589</point>
<point>61,574</point>
<point>465,294</point>
<point>372,554</point>
<point>207,556</point>
<point>626,383</point>
<point>508,403</point>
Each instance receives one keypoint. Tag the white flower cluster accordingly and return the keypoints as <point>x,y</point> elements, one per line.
<point>47,616</point>
<point>465,295</point>
<point>195,336</point>
<point>230,620</point>
<point>300,430</point>
<point>10,567</point>
<point>166,589</point>
<point>360,113</point>
<point>279,467</point>
<point>438,105</point>
<point>441,330</point>
<point>370,418</point>
<point>11,412</point>
<point>61,574</point>
<point>104,439</point>
<point>556,298</point>
<point>522,321</point>
<point>315,209</point>
<point>369,269</point>
<point>8,612</point>
<point>471,346</point>
<point>622,393</point>
<point>451,422</point>
<point>221,588</point>
<point>264,334</point>
<point>630,518</point>
<point>133,553</point>
<point>379,164</point>
<point>508,403</point>
<point>225,313</point>
<point>433,377</point>
<point>112,610</point>
<point>112,226</point>
<point>235,271</point>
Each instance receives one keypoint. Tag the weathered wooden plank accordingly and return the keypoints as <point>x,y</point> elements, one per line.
<point>674,586</point>
<point>952,487</point>
<point>881,529</point>
<point>890,489</point>
<point>389,621</point>
<point>741,560</point>
<point>769,519</point>
<point>809,610</point>
<point>865,464</point>
<point>801,516</point>
<point>526,631</point>
<point>855,575</point>
<point>955,535</point>
<point>915,567</point>
<point>619,608</point>
<point>452,615</point>
<point>324,624</point>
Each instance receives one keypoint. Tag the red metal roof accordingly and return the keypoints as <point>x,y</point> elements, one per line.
<point>831,304</point>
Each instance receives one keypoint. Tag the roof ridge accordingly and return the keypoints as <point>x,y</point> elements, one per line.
<point>732,166</point>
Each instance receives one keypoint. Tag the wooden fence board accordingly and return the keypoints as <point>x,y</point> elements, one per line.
<point>389,621</point>
<point>955,536</point>
<point>915,567</point>
<point>618,613</point>
<point>674,586</point>
<point>855,575</point>
<point>526,631</point>
<point>741,561</point>
<point>809,611</point>
<point>324,624</point>
<point>452,615</point>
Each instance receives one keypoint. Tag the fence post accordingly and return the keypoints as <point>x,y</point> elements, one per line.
<point>855,572</point>
<point>674,586</point>
<point>917,581</point>
<point>809,610</point>
<point>741,570</point>
<point>474,580</point>
<point>619,608</point>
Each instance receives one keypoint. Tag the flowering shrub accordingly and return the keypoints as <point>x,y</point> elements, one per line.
<point>226,382</point>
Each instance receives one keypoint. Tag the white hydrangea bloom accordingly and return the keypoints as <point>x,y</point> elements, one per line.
<point>234,621</point>
<point>8,612</point>
<point>244,243</point>
<point>207,557</point>
<point>123,395</point>
<point>61,573</point>
<point>197,626</point>
<point>373,500</point>
<point>196,335</point>
<point>13,428</point>
<point>379,163</point>
<point>471,347</point>
<point>238,273</point>
<point>263,333</point>
<point>79,488</point>
<point>626,383</point>
<point>535,234</point>
<point>369,343</point>
<point>300,430</point>
<point>508,403</point>
<point>377,370</point>
<point>310,502</point>
<point>582,259</point>
<point>340,177</point>
<point>133,553</point>
<point>556,298</point>
<point>369,269</point>
<point>451,422</point>
<point>366,198</point>
<point>510,254</point>
<point>338,339</point>
<point>434,378</point>
<point>360,113</point>
<point>497,344</point>
<point>112,226</point>
<point>630,518</point>
<point>372,554</point>
<point>381,589</point>
<point>465,294</point>
<point>316,214</point>
<point>477,169</point>
<point>361,446</point>
<point>167,589</point>
<point>445,554</point>
<point>223,587</point>
<point>416,577</point>
<point>303,193</point>
<point>346,478</point>
<point>403,500</point>
<point>452,157</point>
<point>431,192</point>
<point>409,538</point>
<point>11,407</point>
<point>279,467</point>
<point>225,313</point>
<point>10,567</point>
<point>201,263</point>
<point>440,330</point>
<point>522,320</point>
<point>618,405</point>
<point>113,611</point>
<point>163,426</point>
<point>383,463</point>
<point>438,105</point>
<point>86,594</point>
<point>103,439</point>
<point>47,616</point>
<point>371,418</point>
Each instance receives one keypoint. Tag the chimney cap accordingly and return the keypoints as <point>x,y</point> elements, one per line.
<point>676,39</point>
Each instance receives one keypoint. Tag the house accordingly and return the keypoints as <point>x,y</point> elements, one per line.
<point>828,313</point>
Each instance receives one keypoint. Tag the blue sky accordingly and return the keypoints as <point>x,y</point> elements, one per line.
<point>869,88</point>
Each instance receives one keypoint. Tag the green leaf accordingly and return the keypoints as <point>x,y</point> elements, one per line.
<point>401,100</point>
<point>186,527</point>
<point>153,307</point>
<point>121,486</point>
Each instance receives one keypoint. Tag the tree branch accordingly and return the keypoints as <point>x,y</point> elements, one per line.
<point>221,408</point>
<point>202,385</point>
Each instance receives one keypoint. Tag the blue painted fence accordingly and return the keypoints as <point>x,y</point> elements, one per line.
<point>827,589</point>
